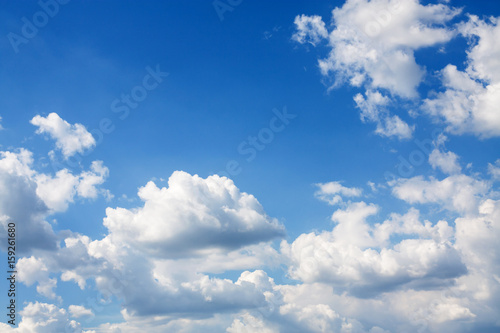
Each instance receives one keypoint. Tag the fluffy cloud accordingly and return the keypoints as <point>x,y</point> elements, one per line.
<point>373,41</point>
<point>469,103</point>
<point>59,190</point>
<point>446,161</point>
<point>27,197</point>
<point>340,270</point>
<point>162,259</point>
<point>20,203</point>
<point>373,109</point>
<point>33,270</point>
<point>372,44</point>
<point>494,169</point>
<point>44,318</point>
<point>333,192</point>
<point>310,29</point>
<point>459,193</point>
<point>70,139</point>
<point>190,216</point>
<point>249,324</point>
<point>78,311</point>
<point>167,249</point>
<point>354,256</point>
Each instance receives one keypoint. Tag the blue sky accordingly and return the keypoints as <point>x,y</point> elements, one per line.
<point>237,166</point>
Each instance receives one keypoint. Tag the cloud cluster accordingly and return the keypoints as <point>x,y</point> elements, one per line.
<point>372,45</point>
<point>70,139</point>
<point>333,192</point>
<point>191,216</point>
<point>469,102</point>
<point>28,196</point>
<point>430,275</point>
<point>168,249</point>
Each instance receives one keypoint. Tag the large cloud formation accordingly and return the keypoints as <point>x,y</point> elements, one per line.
<point>429,276</point>
<point>372,45</point>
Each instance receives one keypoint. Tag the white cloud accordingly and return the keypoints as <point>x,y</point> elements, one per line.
<point>494,170</point>
<point>458,193</point>
<point>372,45</point>
<point>89,180</point>
<point>78,311</point>
<point>20,203</point>
<point>447,162</point>
<point>470,101</point>
<point>46,318</point>
<point>191,215</point>
<point>373,42</point>
<point>57,192</point>
<point>33,270</point>
<point>250,324</point>
<point>194,227</point>
<point>333,192</point>
<point>354,256</point>
<point>310,29</point>
<point>162,259</point>
<point>28,197</point>
<point>394,126</point>
<point>373,109</point>
<point>70,139</point>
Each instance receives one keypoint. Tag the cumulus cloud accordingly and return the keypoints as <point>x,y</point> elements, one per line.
<point>494,169</point>
<point>162,259</point>
<point>458,193</point>
<point>310,29</point>
<point>373,109</point>
<point>356,266</point>
<point>469,103</point>
<point>191,215</point>
<point>446,161</point>
<point>33,270</point>
<point>28,197</point>
<point>333,192</point>
<point>247,323</point>
<point>373,42</point>
<point>59,190</point>
<point>20,203</point>
<point>70,139</point>
<point>78,311</point>
<point>372,45</point>
<point>46,318</point>
<point>354,256</point>
<point>167,248</point>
